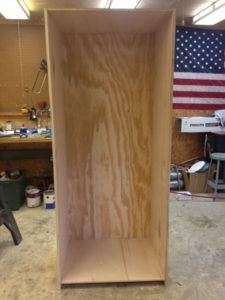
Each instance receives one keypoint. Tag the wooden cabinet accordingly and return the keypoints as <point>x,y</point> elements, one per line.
<point>110,78</point>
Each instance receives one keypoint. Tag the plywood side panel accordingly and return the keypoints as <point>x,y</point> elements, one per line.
<point>161,137</point>
<point>107,79</point>
<point>56,92</point>
<point>108,20</point>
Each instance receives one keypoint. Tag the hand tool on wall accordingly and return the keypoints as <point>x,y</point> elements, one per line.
<point>43,71</point>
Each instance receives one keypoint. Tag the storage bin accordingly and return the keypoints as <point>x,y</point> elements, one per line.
<point>14,190</point>
<point>110,84</point>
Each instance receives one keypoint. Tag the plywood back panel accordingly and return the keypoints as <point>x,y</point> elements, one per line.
<point>56,92</point>
<point>107,79</point>
<point>161,137</point>
<point>108,21</point>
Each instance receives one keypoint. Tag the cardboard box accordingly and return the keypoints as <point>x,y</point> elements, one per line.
<point>201,124</point>
<point>195,182</point>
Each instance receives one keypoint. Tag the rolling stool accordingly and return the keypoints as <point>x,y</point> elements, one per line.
<point>219,158</point>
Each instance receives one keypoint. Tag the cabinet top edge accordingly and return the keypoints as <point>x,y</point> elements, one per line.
<point>149,10</point>
<point>108,20</point>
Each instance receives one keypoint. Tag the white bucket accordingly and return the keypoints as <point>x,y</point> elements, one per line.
<point>33,197</point>
<point>49,199</point>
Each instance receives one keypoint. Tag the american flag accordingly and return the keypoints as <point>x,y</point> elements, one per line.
<point>199,71</point>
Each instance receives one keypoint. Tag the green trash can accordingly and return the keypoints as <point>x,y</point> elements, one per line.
<point>14,190</point>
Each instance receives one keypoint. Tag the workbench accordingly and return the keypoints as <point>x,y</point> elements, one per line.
<point>25,143</point>
<point>10,147</point>
<point>31,154</point>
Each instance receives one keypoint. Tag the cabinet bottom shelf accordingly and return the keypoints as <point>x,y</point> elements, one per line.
<point>111,260</point>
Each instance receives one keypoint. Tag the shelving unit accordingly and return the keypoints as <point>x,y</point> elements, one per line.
<point>12,114</point>
<point>110,78</point>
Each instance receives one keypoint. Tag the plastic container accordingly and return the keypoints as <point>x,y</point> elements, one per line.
<point>23,132</point>
<point>14,191</point>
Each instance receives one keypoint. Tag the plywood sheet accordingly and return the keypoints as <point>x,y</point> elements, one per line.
<point>107,79</point>
<point>113,260</point>
<point>56,92</point>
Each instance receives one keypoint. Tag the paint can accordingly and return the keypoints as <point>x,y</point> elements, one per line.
<point>30,187</point>
<point>49,199</point>
<point>33,197</point>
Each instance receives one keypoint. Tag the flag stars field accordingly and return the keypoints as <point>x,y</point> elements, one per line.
<point>200,84</point>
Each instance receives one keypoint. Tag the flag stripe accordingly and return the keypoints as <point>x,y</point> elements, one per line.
<point>199,100</point>
<point>194,94</point>
<point>197,106</point>
<point>209,76</point>
<point>203,82</point>
<point>201,88</point>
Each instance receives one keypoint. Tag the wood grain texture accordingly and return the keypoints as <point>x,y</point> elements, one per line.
<point>108,20</point>
<point>113,260</point>
<point>161,137</point>
<point>107,79</point>
<point>186,146</point>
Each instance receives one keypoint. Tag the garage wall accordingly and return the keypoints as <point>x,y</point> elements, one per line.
<point>19,64</point>
<point>186,146</point>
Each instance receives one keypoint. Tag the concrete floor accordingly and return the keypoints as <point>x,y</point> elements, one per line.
<point>196,259</point>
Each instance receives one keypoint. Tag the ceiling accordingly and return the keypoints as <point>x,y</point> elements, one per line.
<point>186,9</point>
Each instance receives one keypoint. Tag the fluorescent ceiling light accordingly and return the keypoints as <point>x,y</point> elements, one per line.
<point>14,9</point>
<point>211,15</point>
<point>124,3</point>
<point>102,4</point>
